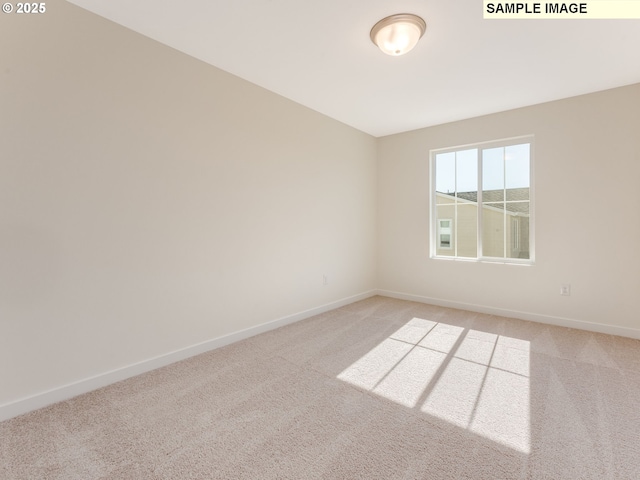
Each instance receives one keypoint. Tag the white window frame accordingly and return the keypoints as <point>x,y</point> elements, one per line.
<point>434,229</point>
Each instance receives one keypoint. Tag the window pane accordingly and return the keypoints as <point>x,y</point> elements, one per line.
<point>517,172</point>
<point>493,230</point>
<point>467,171</point>
<point>445,174</point>
<point>492,169</point>
<point>467,231</point>
<point>518,230</point>
<point>517,166</point>
<point>518,237</point>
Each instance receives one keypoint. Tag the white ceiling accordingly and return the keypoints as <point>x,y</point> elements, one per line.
<point>318,53</point>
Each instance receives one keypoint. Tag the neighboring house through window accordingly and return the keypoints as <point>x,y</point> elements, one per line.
<point>444,233</point>
<point>481,201</point>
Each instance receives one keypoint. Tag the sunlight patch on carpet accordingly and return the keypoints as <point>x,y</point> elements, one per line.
<point>475,380</point>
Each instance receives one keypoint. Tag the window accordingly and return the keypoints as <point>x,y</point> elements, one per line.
<point>481,201</point>
<point>444,233</point>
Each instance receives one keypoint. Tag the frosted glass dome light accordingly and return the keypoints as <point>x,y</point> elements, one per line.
<point>398,34</point>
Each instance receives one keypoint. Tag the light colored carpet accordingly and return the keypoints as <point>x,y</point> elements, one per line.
<point>380,389</point>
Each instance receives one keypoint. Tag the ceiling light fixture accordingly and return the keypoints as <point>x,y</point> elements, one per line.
<point>398,34</point>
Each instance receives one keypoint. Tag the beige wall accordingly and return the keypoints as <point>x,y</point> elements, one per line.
<point>149,202</point>
<point>586,148</point>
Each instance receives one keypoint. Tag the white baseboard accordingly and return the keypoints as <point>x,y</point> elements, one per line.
<point>533,317</point>
<point>71,390</point>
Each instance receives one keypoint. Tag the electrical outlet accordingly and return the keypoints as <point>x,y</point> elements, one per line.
<point>565,289</point>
